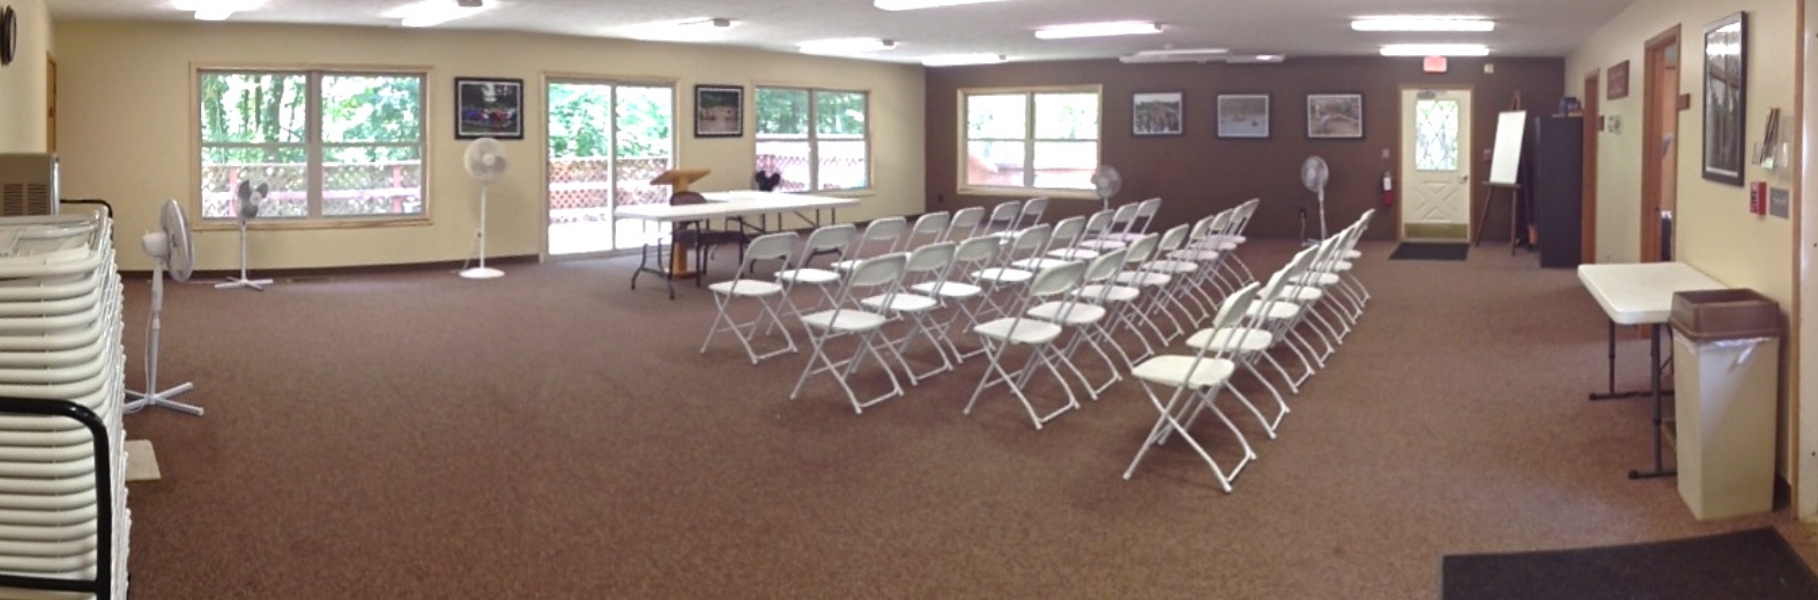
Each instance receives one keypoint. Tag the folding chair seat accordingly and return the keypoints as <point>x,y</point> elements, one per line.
<point>1065,233</point>
<point>1193,383</point>
<point>1019,329</point>
<point>768,295</point>
<point>881,236</point>
<point>929,263</point>
<point>829,239</point>
<point>965,224</point>
<point>962,298</point>
<point>1088,318</point>
<point>848,319</point>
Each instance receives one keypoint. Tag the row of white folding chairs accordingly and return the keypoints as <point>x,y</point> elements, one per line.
<point>1251,322</point>
<point>60,339</point>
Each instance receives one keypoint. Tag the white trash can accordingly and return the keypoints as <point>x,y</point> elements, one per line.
<point>1726,377</point>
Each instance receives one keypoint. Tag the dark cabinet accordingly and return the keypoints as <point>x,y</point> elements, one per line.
<point>1558,189</point>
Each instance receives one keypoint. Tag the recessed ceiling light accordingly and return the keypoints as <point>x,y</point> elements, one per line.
<point>845,46</point>
<point>1435,50</point>
<point>953,60</point>
<point>1098,30</point>
<point>1423,23</point>
<point>430,13</point>
<point>920,4</point>
<point>698,29</point>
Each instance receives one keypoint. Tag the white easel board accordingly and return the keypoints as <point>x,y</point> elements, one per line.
<point>1505,158</point>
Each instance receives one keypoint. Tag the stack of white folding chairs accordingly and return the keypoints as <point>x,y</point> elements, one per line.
<point>60,340</point>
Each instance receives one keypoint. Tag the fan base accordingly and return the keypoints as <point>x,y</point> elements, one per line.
<point>139,400</point>
<point>482,273</point>
<point>236,282</point>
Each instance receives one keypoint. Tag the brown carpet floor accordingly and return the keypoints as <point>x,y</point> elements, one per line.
<point>556,435</point>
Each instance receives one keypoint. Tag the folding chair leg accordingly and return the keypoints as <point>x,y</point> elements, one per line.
<point>1166,423</point>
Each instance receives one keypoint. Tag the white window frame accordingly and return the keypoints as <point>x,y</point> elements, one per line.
<point>313,146</point>
<point>813,139</point>
<point>1029,139</point>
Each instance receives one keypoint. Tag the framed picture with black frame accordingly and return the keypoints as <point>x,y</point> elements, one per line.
<point>719,111</point>
<point>1335,116</point>
<point>1156,113</point>
<point>1725,98</point>
<point>489,107</point>
<point>1243,116</point>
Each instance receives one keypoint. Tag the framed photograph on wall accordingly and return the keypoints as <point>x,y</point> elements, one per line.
<point>1156,113</point>
<point>1335,116</point>
<point>1725,99</point>
<point>719,111</point>
<point>1243,115</point>
<point>486,107</point>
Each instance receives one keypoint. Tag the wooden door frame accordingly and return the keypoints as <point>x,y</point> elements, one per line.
<point>1464,154</point>
<point>1653,50</point>
<point>1593,128</point>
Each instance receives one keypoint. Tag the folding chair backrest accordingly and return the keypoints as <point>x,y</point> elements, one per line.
<point>829,238</point>
<point>1145,213</point>
<point>878,270</point>
<point>980,250</point>
<point>1058,279</point>
<point>1031,212</point>
<point>930,260</point>
<point>1105,266</point>
<point>930,225</point>
<point>1244,211</point>
<point>1066,232</point>
<point>888,231</point>
<point>1028,242</point>
<point>1288,273</point>
<point>1141,249</point>
<point>1124,219</point>
<point>1005,214</point>
<point>1234,306</point>
<point>1173,239</point>
<point>964,223</point>
<point>771,246</point>
<point>1099,223</point>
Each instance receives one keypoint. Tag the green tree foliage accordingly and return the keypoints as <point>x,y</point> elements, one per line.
<point>581,118</point>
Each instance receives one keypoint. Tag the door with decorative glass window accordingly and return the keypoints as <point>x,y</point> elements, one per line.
<point>606,142</point>
<point>1435,165</point>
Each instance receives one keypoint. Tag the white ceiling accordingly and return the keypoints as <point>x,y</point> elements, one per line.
<point>1292,27</point>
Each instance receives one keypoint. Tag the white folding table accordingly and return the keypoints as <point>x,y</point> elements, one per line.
<point>1642,294</point>
<point>720,205</point>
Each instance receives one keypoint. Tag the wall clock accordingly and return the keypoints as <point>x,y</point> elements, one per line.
<point>9,35</point>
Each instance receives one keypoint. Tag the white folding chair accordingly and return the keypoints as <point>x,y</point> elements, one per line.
<point>963,298</point>
<point>767,293</point>
<point>828,239</point>
<point>1193,384</point>
<point>1123,219</point>
<point>881,236</point>
<point>1085,316</point>
<point>1235,336</point>
<point>1064,235</point>
<point>1024,243</point>
<point>965,224</point>
<point>1000,334</point>
<point>1003,217</point>
<point>1096,226</point>
<point>1140,222</point>
<point>847,319</point>
<point>927,263</point>
<point>1278,313</point>
<point>928,229</point>
<point>1031,213</point>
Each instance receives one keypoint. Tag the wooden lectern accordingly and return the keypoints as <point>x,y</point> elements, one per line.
<point>679,180</point>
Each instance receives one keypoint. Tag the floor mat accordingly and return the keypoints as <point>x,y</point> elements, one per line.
<point>1430,252</point>
<point>1756,564</point>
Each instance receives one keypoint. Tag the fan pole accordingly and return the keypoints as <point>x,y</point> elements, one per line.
<point>152,396</point>
<point>481,272</point>
<point>243,280</point>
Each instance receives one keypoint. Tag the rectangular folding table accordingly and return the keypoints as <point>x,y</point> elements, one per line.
<point>720,205</point>
<point>1642,294</point>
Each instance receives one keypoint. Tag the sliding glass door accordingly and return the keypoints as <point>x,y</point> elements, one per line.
<point>607,140</point>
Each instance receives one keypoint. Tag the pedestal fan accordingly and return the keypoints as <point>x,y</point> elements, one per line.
<point>172,255</point>
<point>247,198</point>
<point>485,163</point>
<point>1105,182</point>
<point>1313,174</point>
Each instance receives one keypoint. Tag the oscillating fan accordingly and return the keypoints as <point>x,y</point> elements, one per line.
<point>1106,181</point>
<point>247,198</point>
<point>1313,174</point>
<point>485,162</point>
<point>172,255</point>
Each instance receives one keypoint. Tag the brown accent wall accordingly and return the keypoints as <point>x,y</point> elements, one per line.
<point>1197,173</point>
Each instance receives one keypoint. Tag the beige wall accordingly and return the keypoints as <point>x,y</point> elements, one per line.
<point>1715,231</point>
<point>24,105</point>
<point>125,125</point>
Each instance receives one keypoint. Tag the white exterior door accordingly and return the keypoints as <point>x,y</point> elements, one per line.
<point>1435,178</point>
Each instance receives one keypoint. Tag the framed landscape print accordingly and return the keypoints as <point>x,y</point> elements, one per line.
<point>1335,116</point>
<point>719,111</point>
<point>1243,115</point>
<point>489,108</point>
<point>1156,113</point>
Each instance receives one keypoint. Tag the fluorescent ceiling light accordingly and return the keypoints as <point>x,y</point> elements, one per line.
<point>1435,50</point>
<point>845,46</point>
<point>920,4</point>
<point>1255,58</point>
<point>214,14</point>
<point>430,13</point>
<point>1423,23</point>
<point>1098,30</point>
<point>699,29</point>
<point>952,60</point>
<point>1199,55</point>
<point>216,10</point>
